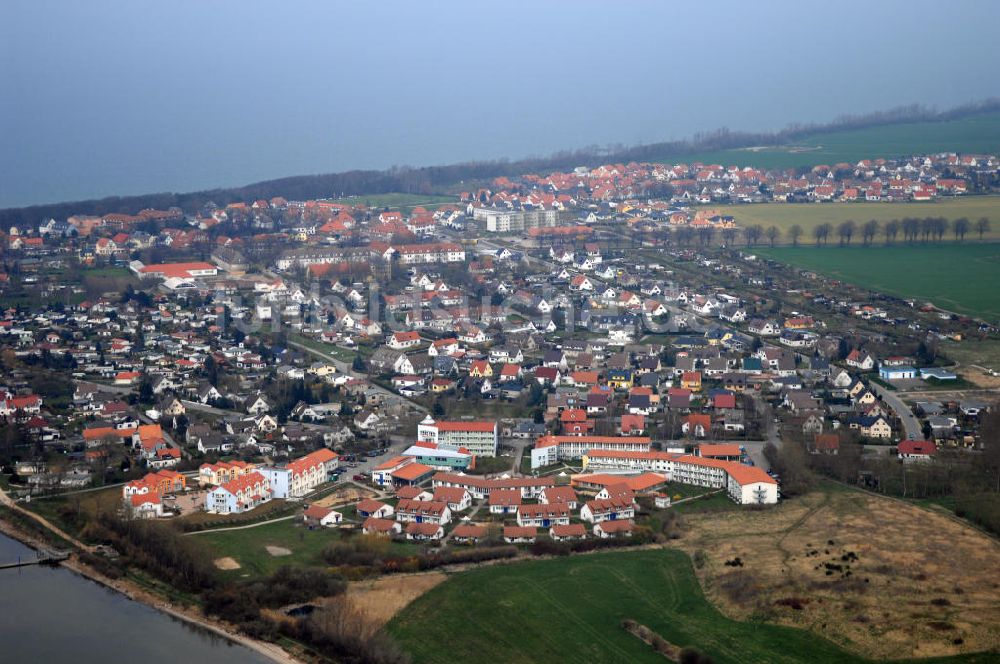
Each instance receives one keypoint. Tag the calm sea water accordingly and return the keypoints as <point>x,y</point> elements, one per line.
<point>49,614</point>
<point>111,97</point>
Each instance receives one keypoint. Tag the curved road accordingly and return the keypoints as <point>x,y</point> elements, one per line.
<point>911,425</point>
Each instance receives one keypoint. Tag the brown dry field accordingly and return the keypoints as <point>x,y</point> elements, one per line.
<point>921,579</point>
<point>978,378</point>
<point>344,495</point>
<point>380,599</point>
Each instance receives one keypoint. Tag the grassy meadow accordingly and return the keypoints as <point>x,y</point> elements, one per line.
<point>563,610</point>
<point>960,277</point>
<point>811,215</point>
<point>974,134</point>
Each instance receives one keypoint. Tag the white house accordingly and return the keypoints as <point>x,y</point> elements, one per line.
<point>321,516</point>
<point>750,485</point>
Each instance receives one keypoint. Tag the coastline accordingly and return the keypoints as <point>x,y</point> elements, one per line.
<point>133,592</point>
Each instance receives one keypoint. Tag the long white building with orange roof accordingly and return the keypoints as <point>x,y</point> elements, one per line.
<point>552,449</point>
<point>744,484</point>
<point>300,476</point>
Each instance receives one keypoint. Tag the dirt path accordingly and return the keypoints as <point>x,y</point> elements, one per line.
<point>249,525</point>
<point>41,520</point>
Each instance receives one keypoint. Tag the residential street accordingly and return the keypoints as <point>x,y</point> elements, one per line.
<point>910,422</point>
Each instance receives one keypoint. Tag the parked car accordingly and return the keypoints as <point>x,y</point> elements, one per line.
<point>359,478</point>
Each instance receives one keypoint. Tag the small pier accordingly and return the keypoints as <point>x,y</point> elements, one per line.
<point>42,557</point>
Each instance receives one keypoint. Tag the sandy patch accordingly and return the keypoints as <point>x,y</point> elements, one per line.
<point>344,495</point>
<point>382,598</point>
<point>226,563</point>
<point>277,551</point>
<point>879,576</point>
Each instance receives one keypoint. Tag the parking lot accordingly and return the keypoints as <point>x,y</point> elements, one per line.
<point>187,502</point>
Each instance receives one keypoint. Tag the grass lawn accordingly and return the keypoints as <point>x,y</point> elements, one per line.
<point>976,134</point>
<point>718,502</point>
<point>811,215</point>
<point>337,352</point>
<point>567,610</point>
<point>956,277</point>
<point>248,546</point>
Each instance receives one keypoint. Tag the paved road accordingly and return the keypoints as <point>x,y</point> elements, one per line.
<point>911,425</point>
<point>345,368</point>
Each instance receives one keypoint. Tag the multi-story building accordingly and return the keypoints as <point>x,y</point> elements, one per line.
<point>214,474</point>
<point>745,484</point>
<point>431,252</point>
<point>550,449</point>
<point>515,221</point>
<point>318,255</point>
<point>477,438</point>
<point>239,495</point>
<point>299,477</point>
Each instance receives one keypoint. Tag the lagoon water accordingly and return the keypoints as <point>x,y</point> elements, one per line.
<point>50,614</point>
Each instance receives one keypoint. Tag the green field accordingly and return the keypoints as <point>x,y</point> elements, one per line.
<point>975,134</point>
<point>570,610</point>
<point>957,277</point>
<point>810,215</point>
<point>398,200</point>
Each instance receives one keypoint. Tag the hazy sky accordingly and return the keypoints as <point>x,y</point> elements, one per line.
<point>119,97</point>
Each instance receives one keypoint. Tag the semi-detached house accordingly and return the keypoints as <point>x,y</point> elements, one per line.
<point>543,516</point>
<point>423,511</point>
<point>609,509</point>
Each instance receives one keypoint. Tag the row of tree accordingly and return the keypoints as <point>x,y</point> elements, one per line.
<point>924,229</point>
<point>912,229</point>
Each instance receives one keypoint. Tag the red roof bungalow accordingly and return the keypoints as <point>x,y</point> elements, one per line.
<point>826,443</point>
<point>468,533</point>
<point>916,449</point>
<point>697,424</point>
<point>569,531</point>
<point>633,425</point>
<point>519,534</point>
<point>609,528</point>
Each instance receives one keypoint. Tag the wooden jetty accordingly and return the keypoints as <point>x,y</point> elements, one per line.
<point>42,557</point>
